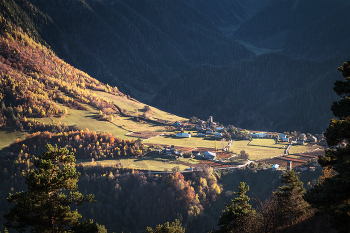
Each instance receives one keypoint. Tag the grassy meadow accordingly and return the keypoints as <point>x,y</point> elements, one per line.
<point>87,119</point>
<point>134,108</point>
<point>192,142</point>
<point>8,136</point>
<point>150,162</point>
<point>261,148</point>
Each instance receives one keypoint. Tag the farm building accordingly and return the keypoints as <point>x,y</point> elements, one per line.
<point>166,151</point>
<point>199,127</point>
<point>183,135</point>
<point>196,153</point>
<point>209,131</point>
<point>179,153</point>
<point>209,155</point>
<point>258,135</point>
<point>300,142</point>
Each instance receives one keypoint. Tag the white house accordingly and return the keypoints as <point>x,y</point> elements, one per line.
<point>219,129</point>
<point>183,135</point>
<point>209,155</point>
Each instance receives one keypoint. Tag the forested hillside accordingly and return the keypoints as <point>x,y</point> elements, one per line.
<point>304,29</point>
<point>272,92</point>
<point>228,14</point>
<point>138,44</point>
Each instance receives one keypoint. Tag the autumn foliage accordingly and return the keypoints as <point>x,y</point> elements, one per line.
<point>36,83</point>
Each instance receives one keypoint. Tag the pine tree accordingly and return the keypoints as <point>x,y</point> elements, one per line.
<point>290,203</point>
<point>333,194</point>
<point>174,227</point>
<point>235,217</point>
<point>52,189</point>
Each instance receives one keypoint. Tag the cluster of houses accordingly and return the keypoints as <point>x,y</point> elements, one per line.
<point>171,151</point>
<point>204,128</point>
<point>206,155</point>
<point>284,138</point>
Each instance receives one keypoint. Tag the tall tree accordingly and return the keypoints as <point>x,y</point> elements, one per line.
<point>333,194</point>
<point>174,227</point>
<point>290,205</point>
<point>235,217</point>
<point>52,188</point>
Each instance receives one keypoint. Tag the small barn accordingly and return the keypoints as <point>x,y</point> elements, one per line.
<point>183,135</point>
<point>209,155</point>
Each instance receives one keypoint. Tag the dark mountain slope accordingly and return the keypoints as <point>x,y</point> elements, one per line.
<point>305,29</point>
<point>227,13</point>
<point>141,44</point>
<point>272,92</point>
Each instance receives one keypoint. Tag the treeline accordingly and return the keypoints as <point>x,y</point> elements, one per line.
<point>84,144</point>
<point>33,82</point>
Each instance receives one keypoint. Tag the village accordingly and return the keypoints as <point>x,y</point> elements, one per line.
<point>226,135</point>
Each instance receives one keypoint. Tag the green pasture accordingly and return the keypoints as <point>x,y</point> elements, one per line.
<point>259,148</point>
<point>8,136</point>
<point>87,119</point>
<point>191,142</point>
<point>151,162</point>
<point>134,108</point>
<point>296,149</point>
<point>130,124</point>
